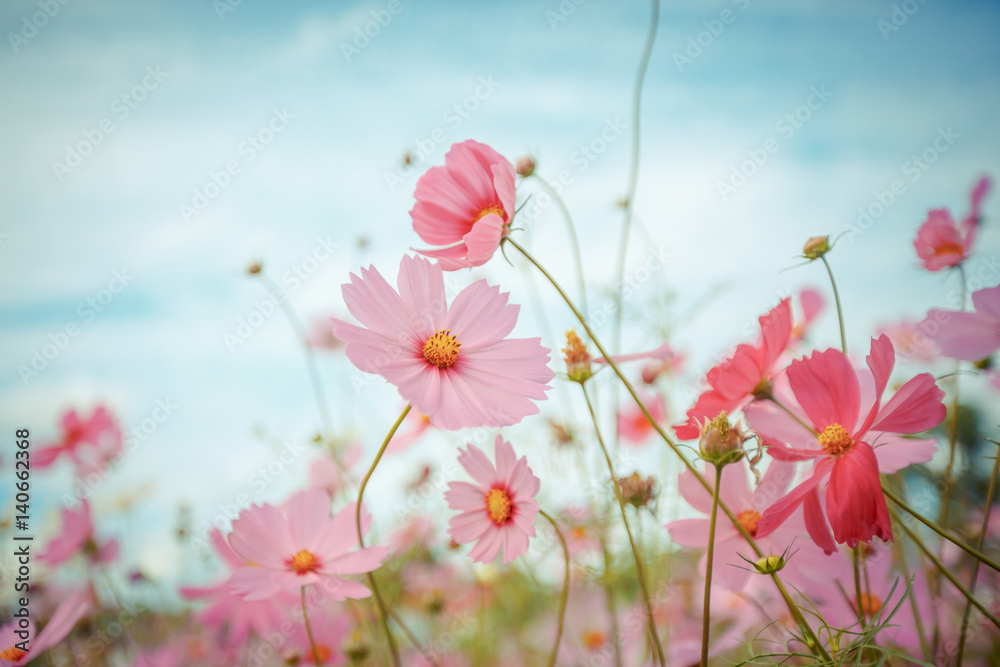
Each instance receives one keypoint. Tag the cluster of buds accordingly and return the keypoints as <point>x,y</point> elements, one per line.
<point>721,443</point>
<point>577,358</point>
<point>637,491</point>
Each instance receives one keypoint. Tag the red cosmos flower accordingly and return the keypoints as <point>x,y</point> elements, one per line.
<point>747,373</point>
<point>827,388</point>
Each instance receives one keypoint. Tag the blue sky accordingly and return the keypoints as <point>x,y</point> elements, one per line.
<point>544,86</point>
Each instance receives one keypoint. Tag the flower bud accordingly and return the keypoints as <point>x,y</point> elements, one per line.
<point>816,247</point>
<point>721,443</point>
<point>770,564</point>
<point>525,166</point>
<point>577,358</point>
<point>254,267</point>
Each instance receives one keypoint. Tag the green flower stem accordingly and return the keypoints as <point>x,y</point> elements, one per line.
<point>705,614</point>
<point>639,569</point>
<point>382,609</point>
<point>565,591</point>
<point>930,524</point>
<point>975,566</point>
<point>309,632</point>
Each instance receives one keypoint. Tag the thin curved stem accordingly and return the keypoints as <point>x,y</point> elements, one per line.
<point>574,241</point>
<point>314,376</point>
<point>640,571</point>
<point>610,598</point>
<point>975,565</point>
<point>309,632</point>
<point>943,569</point>
<point>840,310</point>
<point>382,609</point>
<point>633,176</point>
<point>949,480</point>
<point>565,590</point>
<point>793,609</point>
<point>706,621</point>
<point>930,524</point>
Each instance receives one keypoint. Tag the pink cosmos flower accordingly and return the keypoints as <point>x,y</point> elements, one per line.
<point>238,617</point>
<point>633,427</point>
<point>63,619</point>
<point>77,536</point>
<point>749,372</point>
<point>827,388</point>
<point>968,336</point>
<point>499,510</point>
<point>87,442</point>
<point>730,571</point>
<point>940,243</point>
<point>452,363</point>
<point>911,341</point>
<point>301,546</point>
<point>811,303</point>
<point>465,206</point>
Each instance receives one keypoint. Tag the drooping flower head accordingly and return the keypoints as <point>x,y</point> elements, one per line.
<point>301,545</point>
<point>743,376</point>
<point>827,387</point>
<point>77,536</point>
<point>498,511</point>
<point>452,362</point>
<point>465,206</point>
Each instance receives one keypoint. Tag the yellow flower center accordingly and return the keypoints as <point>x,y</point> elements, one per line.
<point>492,208</point>
<point>12,654</point>
<point>498,506</point>
<point>748,520</point>
<point>578,532</point>
<point>835,439</point>
<point>441,349</point>
<point>304,561</point>
<point>870,604</point>
<point>593,639</point>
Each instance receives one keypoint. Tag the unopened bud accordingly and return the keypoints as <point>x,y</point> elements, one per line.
<point>816,247</point>
<point>525,166</point>
<point>770,564</point>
